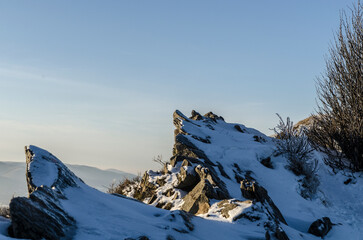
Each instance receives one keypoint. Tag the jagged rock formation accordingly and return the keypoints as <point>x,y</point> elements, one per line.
<point>224,173</point>
<point>41,215</point>
<point>195,179</point>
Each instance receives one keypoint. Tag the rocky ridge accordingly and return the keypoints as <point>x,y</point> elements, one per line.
<point>196,183</point>
<point>223,182</point>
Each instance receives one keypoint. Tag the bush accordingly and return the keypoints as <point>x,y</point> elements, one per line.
<point>295,146</point>
<point>338,124</point>
<point>125,186</point>
<point>5,211</point>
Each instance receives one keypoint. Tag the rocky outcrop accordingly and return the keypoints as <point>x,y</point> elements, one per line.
<point>252,190</point>
<point>41,216</point>
<point>61,206</point>
<point>197,200</point>
<point>210,185</point>
<point>320,227</point>
<point>195,180</point>
<point>195,172</point>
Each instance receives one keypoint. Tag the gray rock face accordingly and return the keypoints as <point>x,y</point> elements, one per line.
<point>41,216</point>
<point>252,190</point>
<point>196,174</point>
<point>197,200</point>
<point>320,227</point>
<point>187,180</point>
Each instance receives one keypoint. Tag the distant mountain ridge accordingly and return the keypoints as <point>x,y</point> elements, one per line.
<point>13,182</point>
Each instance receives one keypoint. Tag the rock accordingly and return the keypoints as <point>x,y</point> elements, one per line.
<point>186,163</point>
<point>203,140</point>
<point>349,180</point>
<point>187,149</point>
<point>196,116</point>
<point>280,234</point>
<point>225,207</point>
<point>41,215</point>
<point>239,129</point>
<point>259,139</point>
<point>213,117</point>
<point>252,190</point>
<point>320,227</point>
<point>169,193</point>
<point>52,185</point>
<point>267,162</point>
<point>221,170</point>
<point>197,200</point>
<point>187,179</point>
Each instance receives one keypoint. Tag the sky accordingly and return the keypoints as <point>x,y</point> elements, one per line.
<point>97,82</point>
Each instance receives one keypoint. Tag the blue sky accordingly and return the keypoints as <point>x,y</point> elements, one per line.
<point>96,82</point>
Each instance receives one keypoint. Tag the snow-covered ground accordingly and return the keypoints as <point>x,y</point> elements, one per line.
<point>342,203</point>
<point>103,216</point>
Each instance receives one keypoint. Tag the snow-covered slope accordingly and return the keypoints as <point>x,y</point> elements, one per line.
<point>233,153</point>
<point>225,174</point>
<point>61,206</point>
<point>13,182</point>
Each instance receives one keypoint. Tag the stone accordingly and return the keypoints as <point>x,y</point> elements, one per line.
<point>203,140</point>
<point>226,206</point>
<point>221,170</point>
<point>187,179</point>
<point>196,116</point>
<point>252,190</point>
<point>213,117</point>
<point>321,227</point>
<point>239,129</point>
<point>41,216</point>
<point>169,193</point>
<point>259,139</point>
<point>267,162</point>
<point>197,200</point>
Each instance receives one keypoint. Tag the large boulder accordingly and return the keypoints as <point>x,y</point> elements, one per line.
<point>197,200</point>
<point>41,216</point>
<point>187,177</point>
<point>320,227</point>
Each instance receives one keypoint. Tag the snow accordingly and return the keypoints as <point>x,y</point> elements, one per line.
<point>4,224</point>
<point>341,203</point>
<point>103,216</point>
<point>111,217</point>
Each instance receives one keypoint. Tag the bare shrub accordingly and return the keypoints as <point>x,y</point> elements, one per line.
<point>124,186</point>
<point>309,186</point>
<point>338,124</point>
<point>159,160</point>
<point>164,164</point>
<point>295,146</point>
<point>5,211</point>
